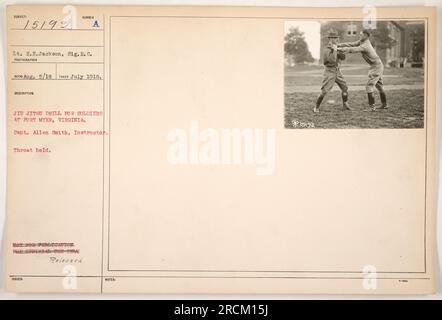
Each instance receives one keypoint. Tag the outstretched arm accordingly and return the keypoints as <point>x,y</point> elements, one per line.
<point>352,49</point>
<point>349,44</point>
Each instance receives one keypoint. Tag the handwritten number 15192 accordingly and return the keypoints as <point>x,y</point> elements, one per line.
<point>45,24</point>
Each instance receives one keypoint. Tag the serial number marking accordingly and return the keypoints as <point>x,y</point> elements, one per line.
<point>223,309</point>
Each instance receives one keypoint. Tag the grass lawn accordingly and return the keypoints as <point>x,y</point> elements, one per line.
<point>406,110</point>
<point>354,75</point>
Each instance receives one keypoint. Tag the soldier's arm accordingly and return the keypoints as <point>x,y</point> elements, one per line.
<point>330,56</point>
<point>334,54</point>
<point>349,44</point>
<point>352,49</point>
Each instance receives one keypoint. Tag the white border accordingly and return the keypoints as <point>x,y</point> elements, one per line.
<point>275,3</point>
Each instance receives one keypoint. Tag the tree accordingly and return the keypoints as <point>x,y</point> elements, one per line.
<point>416,51</point>
<point>381,37</point>
<point>296,46</point>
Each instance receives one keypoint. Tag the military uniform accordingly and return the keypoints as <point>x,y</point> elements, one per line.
<point>375,71</point>
<point>332,74</point>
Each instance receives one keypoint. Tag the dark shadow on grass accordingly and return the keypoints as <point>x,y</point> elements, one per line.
<point>406,110</point>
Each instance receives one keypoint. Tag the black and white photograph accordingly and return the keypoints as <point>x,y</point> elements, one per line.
<point>354,74</point>
<point>151,151</point>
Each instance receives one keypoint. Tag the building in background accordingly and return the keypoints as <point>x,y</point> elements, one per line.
<point>398,43</point>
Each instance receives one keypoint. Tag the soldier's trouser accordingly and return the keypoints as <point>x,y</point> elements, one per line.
<point>331,76</point>
<point>375,80</point>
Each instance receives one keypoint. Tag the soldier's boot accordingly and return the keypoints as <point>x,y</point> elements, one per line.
<point>318,103</point>
<point>383,100</point>
<point>371,106</point>
<point>345,103</point>
<point>347,106</point>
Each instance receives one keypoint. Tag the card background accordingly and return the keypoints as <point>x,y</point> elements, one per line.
<point>319,3</point>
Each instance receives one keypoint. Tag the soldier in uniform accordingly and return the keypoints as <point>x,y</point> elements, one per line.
<point>332,73</point>
<point>376,70</point>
